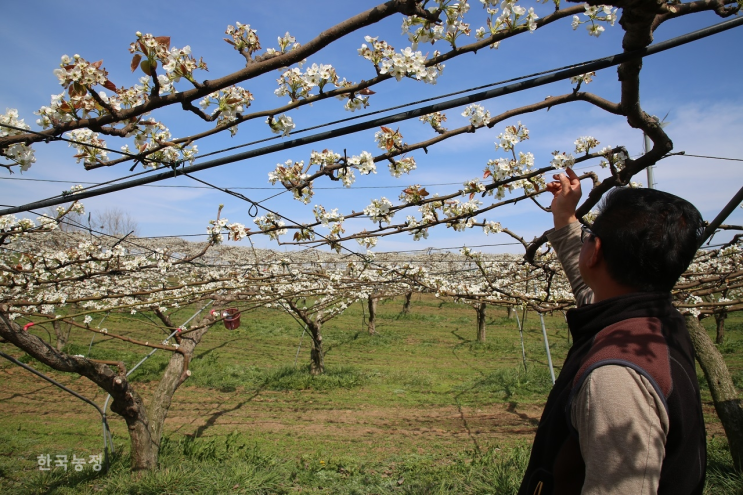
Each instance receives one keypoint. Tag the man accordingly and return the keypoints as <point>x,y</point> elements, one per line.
<point>624,416</point>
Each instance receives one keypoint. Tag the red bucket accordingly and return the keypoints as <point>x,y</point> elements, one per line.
<point>231,318</point>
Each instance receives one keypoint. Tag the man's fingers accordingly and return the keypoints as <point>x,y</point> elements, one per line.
<point>571,174</point>
<point>553,187</point>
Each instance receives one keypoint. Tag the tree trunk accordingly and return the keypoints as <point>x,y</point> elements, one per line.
<point>372,325</point>
<point>720,317</point>
<point>317,364</point>
<point>126,401</point>
<point>144,425</point>
<point>727,404</point>
<point>144,450</point>
<point>406,304</point>
<point>175,374</point>
<point>62,336</point>
<point>480,308</point>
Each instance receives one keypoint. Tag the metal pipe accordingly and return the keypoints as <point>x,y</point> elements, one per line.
<point>547,348</point>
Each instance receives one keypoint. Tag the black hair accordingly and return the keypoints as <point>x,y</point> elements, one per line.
<point>648,237</point>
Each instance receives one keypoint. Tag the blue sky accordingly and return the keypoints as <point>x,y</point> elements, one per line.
<point>697,85</point>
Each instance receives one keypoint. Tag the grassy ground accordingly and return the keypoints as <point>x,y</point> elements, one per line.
<point>418,408</point>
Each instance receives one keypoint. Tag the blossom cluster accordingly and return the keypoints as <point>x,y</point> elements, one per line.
<point>422,30</point>
<point>78,76</point>
<point>473,187</point>
<point>75,73</point>
<point>406,63</point>
<point>403,166</point>
<point>153,137</point>
<point>325,217</point>
<point>465,210</point>
<point>272,225</point>
<point>20,153</point>
<point>298,85</point>
<point>585,144</point>
<point>616,160</point>
<point>79,101</point>
<point>76,207</point>
<point>282,125</point>
<point>510,18</point>
<point>596,14</point>
<point>413,194</point>
<point>235,231</point>
<point>388,140</point>
<point>292,175</point>
<point>435,120</point>
<point>562,160</point>
<point>500,169</point>
<point>512,135</point>
<point>367,241</point>
<point>82,104</point>
<point>244,38</point>
<point>379,210</point>
<point>14,227</point>
<point>287,43</point>
<point>364,163</point>
<point>148,50</point>
<point>492,228</point>
<point>477,115</point>
<point>324,158</point>
<point>586,78</point>
<point>230,103</point>
<point>416,230</point>
<point>88,145</point>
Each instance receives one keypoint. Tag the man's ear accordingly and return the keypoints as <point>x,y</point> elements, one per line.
<point>596,254</point>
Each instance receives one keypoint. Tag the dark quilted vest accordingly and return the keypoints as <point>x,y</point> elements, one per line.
<point>645,332</point>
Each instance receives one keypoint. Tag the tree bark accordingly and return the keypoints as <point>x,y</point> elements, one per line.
<point>317,364</point>
<point>480,308</point>
<point>725,397</point>
<point>144,450</point>
<point>173,377</point>
<point>62,336</point>
<point>406,304</point>
<point>720,317</point>
<point>314,326</point>
<point>372,325</point>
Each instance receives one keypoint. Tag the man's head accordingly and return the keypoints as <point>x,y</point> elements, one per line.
<point>648,237</point>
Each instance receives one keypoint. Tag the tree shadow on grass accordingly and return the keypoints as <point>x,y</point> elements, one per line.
<point>212,420</point>
<point>209,351</point>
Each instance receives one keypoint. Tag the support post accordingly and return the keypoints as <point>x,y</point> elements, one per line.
<point>547,348</point>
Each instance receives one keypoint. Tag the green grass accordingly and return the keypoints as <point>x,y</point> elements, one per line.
<point>415,408</point>
<point>509,384</point>
<point>230,465</point>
